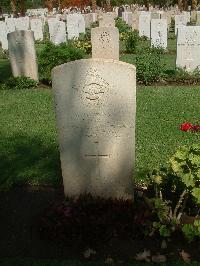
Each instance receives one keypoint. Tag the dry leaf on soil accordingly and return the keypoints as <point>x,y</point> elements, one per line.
<point>144,256</point>
<point>185,256</point>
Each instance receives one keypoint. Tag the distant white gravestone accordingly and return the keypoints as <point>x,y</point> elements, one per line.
<point>22,54</point>
<point>135,21</point>
<point>95,103</point>
<point>180,20</point>
<point>22,23</point>
<point>105,43</point>
<point>106,20</point>
<point>10,24</point>
<point>3,35</point>
<point>188,47</point>
<point>72,26</point>
<point>58,32</point>
<point>159,33</point>
<point>36,27</point>
<point>144,24</point>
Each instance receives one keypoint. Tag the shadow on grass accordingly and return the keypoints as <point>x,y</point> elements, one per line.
<point>28,160</point>
<point>5,70</point>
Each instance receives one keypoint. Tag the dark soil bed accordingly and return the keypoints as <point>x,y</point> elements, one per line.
<point>35,224</point>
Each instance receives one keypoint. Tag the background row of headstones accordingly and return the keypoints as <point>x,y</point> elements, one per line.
<point>105,41</point>
<point>74,24</point>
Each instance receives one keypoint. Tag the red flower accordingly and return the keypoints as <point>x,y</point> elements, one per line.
<point>186,127</point>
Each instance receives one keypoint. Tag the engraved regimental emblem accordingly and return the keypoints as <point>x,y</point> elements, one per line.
<point>94,88</point>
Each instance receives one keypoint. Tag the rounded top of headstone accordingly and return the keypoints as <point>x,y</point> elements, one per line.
<point>57,69</point>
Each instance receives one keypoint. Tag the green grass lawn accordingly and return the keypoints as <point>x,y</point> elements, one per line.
<point>5,70</point>
<point>168,59</point>
<point>28,143</point>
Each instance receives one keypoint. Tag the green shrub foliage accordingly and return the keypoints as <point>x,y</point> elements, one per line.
<point>149,66</point>
<point>177,191</point>
<point>54,55</point>
<point>19,83</point>
<point>182,76</point>
<point>3,53</point>
<point>122,26</point>
<point>131,41</point>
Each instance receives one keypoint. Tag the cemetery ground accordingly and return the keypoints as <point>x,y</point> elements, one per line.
<point>31,180</point>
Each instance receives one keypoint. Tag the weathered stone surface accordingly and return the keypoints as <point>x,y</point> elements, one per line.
<point>144,24</point>
<point>193,15</point>
<point>105,43</point>
<point>51,24</point>
<point>3,35</point>
<point>58,32</point>
<point>22,23</point>
<point>135,21</point>
<point>36,27</point>
<point>127,17</point>
<point>106,20</point>
<point>198,18</point>
<point>10,24</point>
<point>155,15</point>
<point>188,47</point>
<point>72,26</point>
<point>180,20</point>
<point>167,15</point>
<point>22,54</point>
<point>95,110</point>
<point>159,33</point>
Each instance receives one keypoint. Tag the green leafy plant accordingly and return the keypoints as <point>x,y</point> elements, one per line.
<point>192,231</point>
<point>177,191</point>
<point>122,26</point>
<point>54,55</point>
<point>182,76</point>
<point>185,163</point>
<point>3,53</point>
<point>149,66</point>
<point>131,41</point>
<point>16,83</point>
<point>84,45</point>
<point>83,42</point>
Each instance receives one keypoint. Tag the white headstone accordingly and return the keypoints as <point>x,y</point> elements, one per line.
<point>72,26</point>
<point>159,33</point>
<point>127,17</point>
<point>88,19</point>
<point>188,47</point>
<point>10,24</point>
<point>81,23</point>
<point>155,15</point>
<point>135,21</point>
<point>95,110</point>
<point>51,24</point>
<point>105,43</point>
<point>22,54</point>
<point>36,27</point>
<point>144,24</point>
<point>106,20</point>
<point>58,33</point>
<point>22,23</point>
<point>167,15</point>
<point>3,35</point>
<point>180,20</point>
<point>198,18</point>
